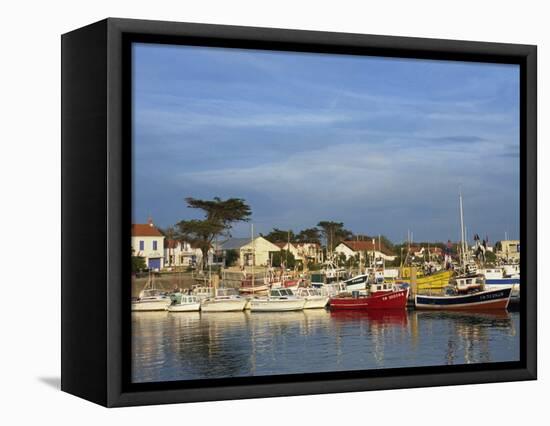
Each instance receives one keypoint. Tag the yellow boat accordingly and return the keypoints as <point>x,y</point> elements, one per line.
<point>436,281</point>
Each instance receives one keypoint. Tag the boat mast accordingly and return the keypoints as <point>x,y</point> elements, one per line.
<point>462,232</point>
<point>253,251</point>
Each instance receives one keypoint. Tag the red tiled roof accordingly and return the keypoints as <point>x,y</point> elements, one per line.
<point>367,246</point>
<point>145,230</point>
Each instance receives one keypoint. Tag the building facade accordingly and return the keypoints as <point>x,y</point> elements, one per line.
<point>509,250</point>
<point>148,242</point>
<point>181,254</point>
<point>364,249</point>
<point>257,252</point>
<point>313,252</point>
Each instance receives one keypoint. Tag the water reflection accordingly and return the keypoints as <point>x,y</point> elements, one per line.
<point>183,346</point>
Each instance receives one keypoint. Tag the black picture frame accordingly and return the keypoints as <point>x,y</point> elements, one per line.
<point>96,211</point>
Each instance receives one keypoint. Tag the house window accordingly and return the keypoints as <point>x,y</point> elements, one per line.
<point>141,245</point>
<point>154,245</point>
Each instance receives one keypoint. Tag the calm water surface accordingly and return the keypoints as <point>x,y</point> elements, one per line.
<point>183,346</point>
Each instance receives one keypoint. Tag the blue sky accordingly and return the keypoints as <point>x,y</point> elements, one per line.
<point>383,145</point>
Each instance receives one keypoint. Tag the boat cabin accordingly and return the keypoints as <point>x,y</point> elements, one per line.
<point>226,293</point>
<point>380,287</point>
<point>308,291</point>
<point>203,292</point>
<point>151,293</point>
<point>281,293</point>
<point>468,284</point>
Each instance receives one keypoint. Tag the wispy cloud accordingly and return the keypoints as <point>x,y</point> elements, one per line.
<point>382,145</point>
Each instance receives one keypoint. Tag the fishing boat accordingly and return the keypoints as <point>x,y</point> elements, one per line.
<point>358,282</point>
<point>379,296</point>
<point>226,300</point>
<point>313,297</point>
<point>497,278</point>
<point>151,298</point>
<point>183,303</point>
<point>467,291</point>
<point>279,300</point>
<point>330,274</point>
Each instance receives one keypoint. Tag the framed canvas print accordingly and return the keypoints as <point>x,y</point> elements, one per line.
<point>254,212</point>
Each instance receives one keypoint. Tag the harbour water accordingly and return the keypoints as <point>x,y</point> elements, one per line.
<point>187,346</point>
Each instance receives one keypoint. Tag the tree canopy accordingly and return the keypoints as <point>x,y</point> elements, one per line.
<point>333,233</point>
<point>219,216</point>
<point>279,236</point>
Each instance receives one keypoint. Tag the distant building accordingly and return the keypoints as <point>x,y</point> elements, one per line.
<point>148,242</point>
<point>365,248</point>
<point>313,252</point>
<point>509,250</point>
<point>256,252</point>
<point>177,253</point>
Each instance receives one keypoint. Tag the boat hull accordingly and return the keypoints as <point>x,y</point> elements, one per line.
<point>316,302</point>
<point>276,305</point>
<point>502,283</point>
<point>149,306</point>
<point>484,300</point>
<point>185,307</point>
<point>390,300</point>
<point>223,305</point>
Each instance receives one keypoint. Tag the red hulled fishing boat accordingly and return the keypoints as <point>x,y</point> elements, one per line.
<point>379,296</point>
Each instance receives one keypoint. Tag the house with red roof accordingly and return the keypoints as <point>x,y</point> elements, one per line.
<point>148,242</point>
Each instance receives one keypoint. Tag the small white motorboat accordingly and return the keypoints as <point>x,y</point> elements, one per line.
<point>279,300</point>
<point>151,298</point>
<point>184,303</point>
<point>313,297</point>
<point>226,300</point>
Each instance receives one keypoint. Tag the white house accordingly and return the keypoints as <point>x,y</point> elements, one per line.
<point>177,253</point>
<point>312,251</point>
<point>364,248</point>
<point>256,252</point>
<point>148,242</point>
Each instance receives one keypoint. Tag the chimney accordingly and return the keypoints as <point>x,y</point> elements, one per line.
<point>150,221</point>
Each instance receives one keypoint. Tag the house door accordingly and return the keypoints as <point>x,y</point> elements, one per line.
<point>154,263</point>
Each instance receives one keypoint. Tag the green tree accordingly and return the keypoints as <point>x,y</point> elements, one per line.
<point>231,257</point>
<point>219,216</point>
<point>333,233</point>
<point>285,258</point>
<point>280,236</point>
<point>138,263</point>
<point>309,235</point>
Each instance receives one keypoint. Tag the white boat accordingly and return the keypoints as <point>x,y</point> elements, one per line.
<point>329,274</point>
<point>226,300</point>
<point>279,300</point>
<point>184,303</point>
<point>498,279</point>
<point>313,297</point>
<point>151,298</point>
